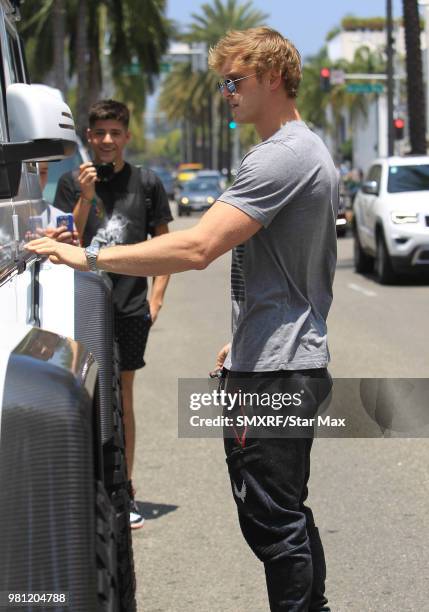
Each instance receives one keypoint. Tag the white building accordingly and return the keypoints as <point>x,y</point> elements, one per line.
<point>345,44</point>
<point>369,133</point>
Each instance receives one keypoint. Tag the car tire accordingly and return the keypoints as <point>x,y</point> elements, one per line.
<point>364,263</point>
<point>383,264</point>
<point>180,212</point>
<point>105,548</point>
<point>119,494</point>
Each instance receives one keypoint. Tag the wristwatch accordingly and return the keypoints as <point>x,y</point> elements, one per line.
<point>91,253</point>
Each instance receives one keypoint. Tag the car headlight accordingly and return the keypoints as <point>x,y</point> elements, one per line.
<point>184,201</point>
<point>404,217</point>
<point>210,200</point>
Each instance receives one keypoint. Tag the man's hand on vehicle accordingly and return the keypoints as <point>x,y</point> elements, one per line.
<point>87,179</point>
<point>59,252</point>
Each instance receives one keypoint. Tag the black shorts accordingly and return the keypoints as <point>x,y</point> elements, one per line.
<point>131,334</point>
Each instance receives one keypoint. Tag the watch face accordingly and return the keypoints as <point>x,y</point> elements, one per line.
<point>93,249</point>
<point>91,253</point>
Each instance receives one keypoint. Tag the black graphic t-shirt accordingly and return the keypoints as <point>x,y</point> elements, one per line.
<point>128,208</point>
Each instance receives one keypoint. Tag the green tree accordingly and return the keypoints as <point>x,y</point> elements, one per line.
<point>216,19</point>
<point>313,103</point>
<point>311,99</point>
<point>123,39</point>
<point>198,106</point>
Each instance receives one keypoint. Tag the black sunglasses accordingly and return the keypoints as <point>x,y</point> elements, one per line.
<point>230,84</point>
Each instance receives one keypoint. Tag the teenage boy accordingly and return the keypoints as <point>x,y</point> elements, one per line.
<point>113,202</point>
<point>279,219</point>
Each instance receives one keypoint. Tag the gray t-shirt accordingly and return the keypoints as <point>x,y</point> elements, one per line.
<point>281,278</point>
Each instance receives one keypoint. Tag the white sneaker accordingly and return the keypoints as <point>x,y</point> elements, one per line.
<point>136,519</point>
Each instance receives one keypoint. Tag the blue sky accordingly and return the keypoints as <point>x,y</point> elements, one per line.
<point>305,22</point>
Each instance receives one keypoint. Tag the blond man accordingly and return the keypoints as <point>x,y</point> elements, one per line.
<point>278,217</point>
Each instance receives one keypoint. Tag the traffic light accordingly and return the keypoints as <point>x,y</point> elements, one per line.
<point>325,80</point>
<point>398,128</point>
<point>232,125</point>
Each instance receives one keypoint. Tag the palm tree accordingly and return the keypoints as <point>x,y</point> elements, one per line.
<point>137,34</point>
<point>218,18</point>
<point>415,91</point>
<point>36,28</point>
<point>313,103</point>
<point>198,105</point>
<point>59,34</point>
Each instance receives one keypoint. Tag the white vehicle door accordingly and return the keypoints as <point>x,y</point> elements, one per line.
<point>368,206</point>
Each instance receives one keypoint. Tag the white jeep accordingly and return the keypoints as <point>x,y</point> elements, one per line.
<point>64,494</point>
<point>391,218</point>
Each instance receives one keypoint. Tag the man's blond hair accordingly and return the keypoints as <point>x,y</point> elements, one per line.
<point>260,49</point>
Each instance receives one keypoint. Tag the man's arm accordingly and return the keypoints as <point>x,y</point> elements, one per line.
<point>80,215</point>
<point>219,230</point>
<point>159,283</point>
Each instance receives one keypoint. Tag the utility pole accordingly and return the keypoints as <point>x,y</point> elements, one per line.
<point>389,74</point>
<point>425,5</point>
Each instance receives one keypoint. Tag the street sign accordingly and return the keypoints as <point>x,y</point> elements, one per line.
<point>165,67</point>
<point>132,69</point>
<point>363,88</point>
<point>338,77</point>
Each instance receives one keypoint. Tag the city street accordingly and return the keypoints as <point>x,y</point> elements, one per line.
<point>369,496</point>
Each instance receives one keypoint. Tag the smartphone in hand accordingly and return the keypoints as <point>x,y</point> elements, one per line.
<point>66,221</point>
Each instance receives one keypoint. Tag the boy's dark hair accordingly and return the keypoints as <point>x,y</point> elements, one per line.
<point>109,109</point>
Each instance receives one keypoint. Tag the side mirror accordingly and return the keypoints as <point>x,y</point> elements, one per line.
<point>370,187</point>
<point>41,128</point>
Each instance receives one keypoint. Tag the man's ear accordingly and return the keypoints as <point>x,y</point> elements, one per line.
<point>276,79</point>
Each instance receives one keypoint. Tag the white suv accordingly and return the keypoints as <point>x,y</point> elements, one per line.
<point>391,218</point>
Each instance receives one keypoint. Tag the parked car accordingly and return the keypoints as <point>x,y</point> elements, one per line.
<point>391,218</point>
<point>341,219</point>
<point>198,194</point>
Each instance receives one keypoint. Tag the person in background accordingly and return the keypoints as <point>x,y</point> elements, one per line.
<point>114,202</point>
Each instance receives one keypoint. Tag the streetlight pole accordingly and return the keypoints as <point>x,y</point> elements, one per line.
<point>425,5</point>
<point>389,74</point>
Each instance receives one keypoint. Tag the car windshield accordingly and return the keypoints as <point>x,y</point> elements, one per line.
<point>408,178</point>
<point>205,185</point>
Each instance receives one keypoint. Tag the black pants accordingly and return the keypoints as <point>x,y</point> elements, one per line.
<point>269,482</point>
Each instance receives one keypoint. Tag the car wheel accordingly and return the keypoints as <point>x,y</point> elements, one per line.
<point>363,263</point>
<point>179,211</point>
<point>383,263</point>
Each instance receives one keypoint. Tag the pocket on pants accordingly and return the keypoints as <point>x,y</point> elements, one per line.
<point>246,472</point>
